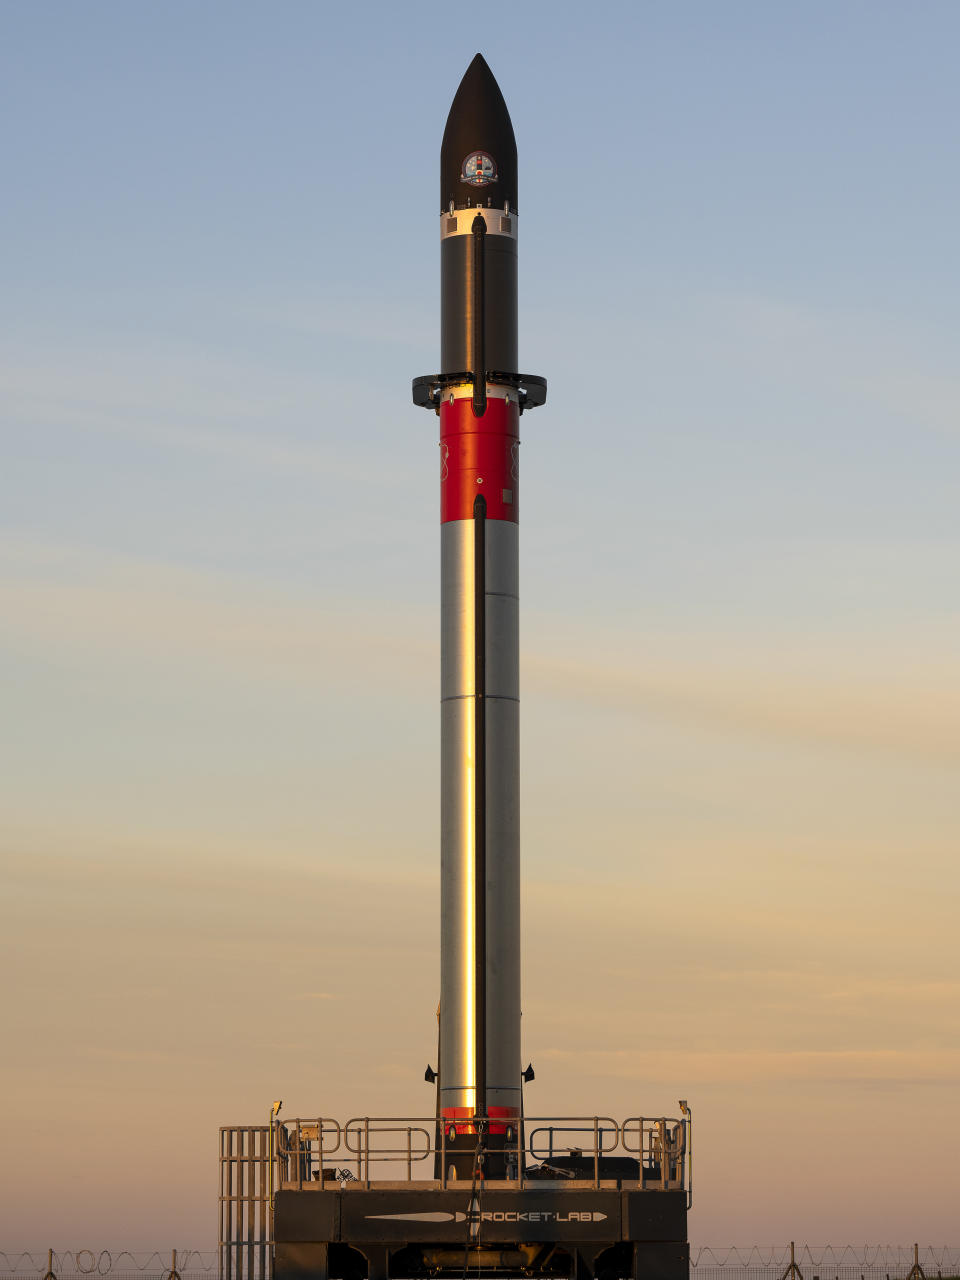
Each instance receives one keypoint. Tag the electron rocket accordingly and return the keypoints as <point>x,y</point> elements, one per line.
<point>512,1195</point>
<point>479,397</point>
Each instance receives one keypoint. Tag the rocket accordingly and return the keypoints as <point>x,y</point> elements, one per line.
<point>581,1210</point>
<point>479,398</point>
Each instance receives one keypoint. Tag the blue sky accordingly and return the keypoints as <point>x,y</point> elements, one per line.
<point>218,570</point>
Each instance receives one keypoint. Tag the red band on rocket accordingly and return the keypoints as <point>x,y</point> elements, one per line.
<point>479,456</point>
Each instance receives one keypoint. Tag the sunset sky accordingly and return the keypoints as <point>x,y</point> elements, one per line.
<point>740,601</point>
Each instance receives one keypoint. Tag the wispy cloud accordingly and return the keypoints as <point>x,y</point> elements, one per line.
<point>713,1066</point>
<point>71,600</point>
<point>920,718</point>
<point>178,402</point>
<point>111,607</point>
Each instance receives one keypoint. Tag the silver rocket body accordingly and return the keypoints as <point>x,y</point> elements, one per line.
<point>458,772</point>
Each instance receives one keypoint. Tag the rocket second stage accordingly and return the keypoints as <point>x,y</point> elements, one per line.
<point>479,397</point>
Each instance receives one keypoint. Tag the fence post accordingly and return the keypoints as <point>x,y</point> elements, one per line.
<point>50,1275</point>
<point>793,1272</point>
<point>916,1271</point>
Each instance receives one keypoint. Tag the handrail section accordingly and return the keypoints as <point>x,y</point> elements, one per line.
<point>304,1146</point>
<point>661,1148</point>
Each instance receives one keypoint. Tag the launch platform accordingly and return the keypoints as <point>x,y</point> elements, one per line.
<point>589,1197</point>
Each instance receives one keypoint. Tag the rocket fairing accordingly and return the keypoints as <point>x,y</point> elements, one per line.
<point>479,397</point>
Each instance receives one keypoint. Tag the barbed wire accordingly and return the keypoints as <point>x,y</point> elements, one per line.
<point>829,1259</point>
<point>87,1262</point>
<point>825,1262</point>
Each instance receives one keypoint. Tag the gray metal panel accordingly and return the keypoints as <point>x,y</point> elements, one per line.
<point>301,1261</point>
<point>503,903</point>
<point>654,1215</point>
<point>457,979</point>
<point>503,814</point>
<point>503,566</point>
<point>457,659</point>
<point>306,1215</point>
<point>457,668</point>
<point>661,1261</point>
<point>503,629</point>
<point>503,611</point>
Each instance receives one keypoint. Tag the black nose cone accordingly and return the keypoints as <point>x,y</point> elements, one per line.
<point>478,156</point>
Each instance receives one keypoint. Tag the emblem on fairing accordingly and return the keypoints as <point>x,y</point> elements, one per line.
<point>478,169</point>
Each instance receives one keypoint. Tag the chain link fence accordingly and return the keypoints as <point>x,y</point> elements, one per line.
<point>825,1262</point>
<point>90,1264</point>
<point>748,1262</point>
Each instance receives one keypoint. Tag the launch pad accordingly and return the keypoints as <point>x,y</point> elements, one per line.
<point>590,1198</point>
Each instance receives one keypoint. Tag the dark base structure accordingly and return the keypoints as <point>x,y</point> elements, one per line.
<point>290,1212</point>
<point>575,1231</point>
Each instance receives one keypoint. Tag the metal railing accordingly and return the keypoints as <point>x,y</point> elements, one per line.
<point>301,1149</point>
<point>358,1135</point>
<point>245,1226</point>
<point>321,1153</point>
<point>661,1146</point>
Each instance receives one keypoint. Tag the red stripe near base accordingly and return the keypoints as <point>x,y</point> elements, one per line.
<point>461,1114</point>
<point>479,456</point>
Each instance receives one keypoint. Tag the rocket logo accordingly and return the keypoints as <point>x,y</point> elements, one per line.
<point>478,169</point>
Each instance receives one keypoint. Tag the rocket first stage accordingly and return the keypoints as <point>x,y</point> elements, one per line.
<point>479,396</point>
